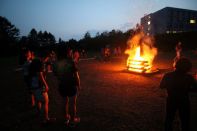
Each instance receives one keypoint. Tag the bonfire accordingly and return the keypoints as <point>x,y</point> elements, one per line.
<point>141,53</point>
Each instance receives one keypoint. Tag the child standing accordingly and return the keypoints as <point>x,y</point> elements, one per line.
<point>39,87</point>
<point>69,86</point>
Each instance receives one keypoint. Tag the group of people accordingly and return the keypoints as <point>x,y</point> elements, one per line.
<point>37,71</point>
<point>106,52</point>
<point>178,84</point>
<point>117,51</point>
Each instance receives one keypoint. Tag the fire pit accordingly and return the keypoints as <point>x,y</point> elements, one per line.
<point>138,66</point>
<point>141,54</point>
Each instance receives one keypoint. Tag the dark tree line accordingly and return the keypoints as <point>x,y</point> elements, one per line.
<point>37,41</point>
<point>11,43</point>
<point>167,42</point>
<point>112,39</point>
<point>42,41</point>
<point>40,38</point>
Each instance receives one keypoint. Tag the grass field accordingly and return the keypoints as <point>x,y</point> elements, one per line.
<point>110,100</point>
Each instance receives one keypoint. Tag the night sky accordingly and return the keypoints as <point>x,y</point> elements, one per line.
<point>72,18</point>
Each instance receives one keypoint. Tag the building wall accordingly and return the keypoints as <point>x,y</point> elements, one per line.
<point>170,20</point>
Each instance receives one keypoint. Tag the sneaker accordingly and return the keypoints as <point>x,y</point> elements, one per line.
<point>67,120</point>
<point>74,122</point>
<point>76,119</point>
<point>49,121</point>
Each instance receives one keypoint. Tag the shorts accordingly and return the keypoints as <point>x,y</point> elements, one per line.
<point>38,94</point>
<point>67,91</point>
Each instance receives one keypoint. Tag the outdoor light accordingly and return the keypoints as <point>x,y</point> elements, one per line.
<point>192,21</point>
<point>173,31</point>
<point>168,32</point>
<point>148,22</point>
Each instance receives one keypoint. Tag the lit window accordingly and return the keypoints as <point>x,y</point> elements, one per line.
<point>167,32</point>
<point>192,21</point>
<point>149,17</point>
<point>148,28</point>
<point>173,31</point>
<point>148,22</point>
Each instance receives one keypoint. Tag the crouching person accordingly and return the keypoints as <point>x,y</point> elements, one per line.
<point>178,83</point>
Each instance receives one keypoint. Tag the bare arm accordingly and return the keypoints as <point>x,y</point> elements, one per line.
<point>163,82</point>
<point>77,80</point>
<point>44,81</point>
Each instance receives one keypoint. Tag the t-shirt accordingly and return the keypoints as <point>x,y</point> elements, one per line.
<point>178,85</point>
<point>67,70</point>
<point>35,83</point>
<point>26,68</point>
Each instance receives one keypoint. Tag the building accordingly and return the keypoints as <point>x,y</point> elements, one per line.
<point>169,20</point>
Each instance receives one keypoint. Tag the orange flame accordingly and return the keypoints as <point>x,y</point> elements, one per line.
<point>141,53</point>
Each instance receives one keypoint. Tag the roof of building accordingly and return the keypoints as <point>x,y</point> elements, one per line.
<point>175,8</point>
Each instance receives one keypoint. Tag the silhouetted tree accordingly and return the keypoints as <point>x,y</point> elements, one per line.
<point>40,35</point>
<point>87,35</point>
<point>45,37</point>
<point>33,38</point>
<point>9,35</point>
<point>24,41</point>
<point>60,41</point>
<point>33,35</point>
<point>51,38</point>
<point>97,34</point>
<point>72,43</point>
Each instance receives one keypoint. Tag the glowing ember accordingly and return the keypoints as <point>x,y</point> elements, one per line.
<point>141,53</point>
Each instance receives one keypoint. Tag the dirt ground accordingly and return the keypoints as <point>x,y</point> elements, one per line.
<point>111,99</point>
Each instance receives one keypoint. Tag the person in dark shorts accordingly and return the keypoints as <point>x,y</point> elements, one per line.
<point>178,83</point>
<point>39,87</point>
<point>69,86</point>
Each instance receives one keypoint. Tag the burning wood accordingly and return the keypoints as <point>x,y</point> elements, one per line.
<point>141,53</point>
<point>138,66</point>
